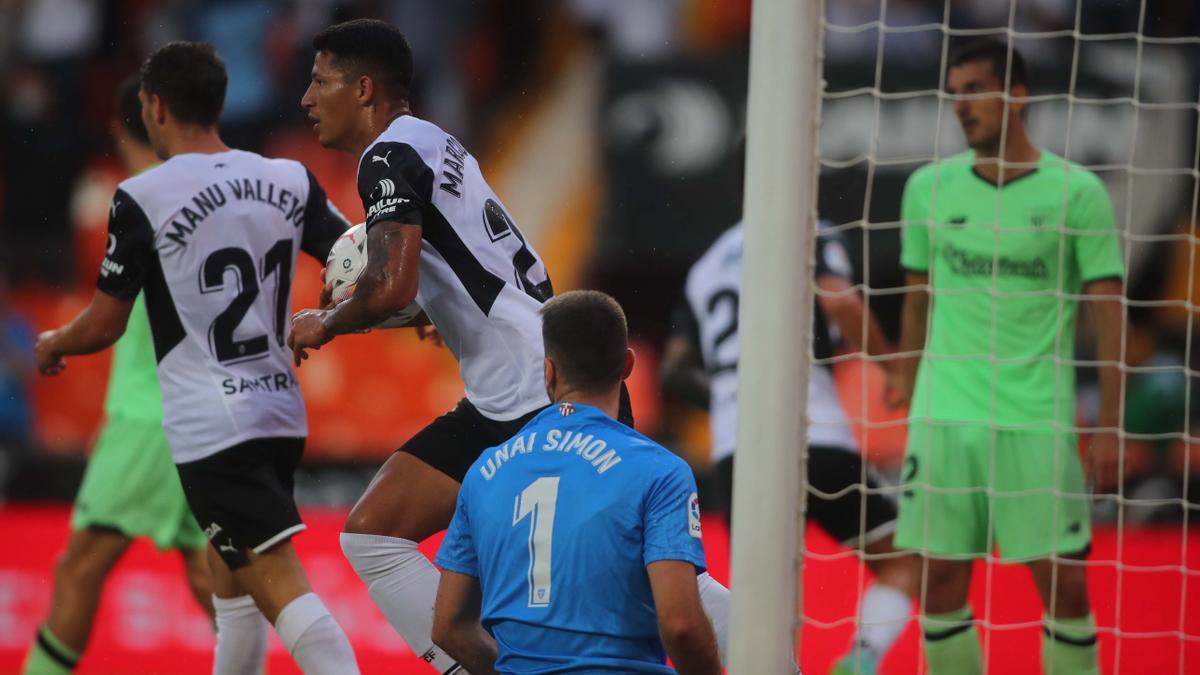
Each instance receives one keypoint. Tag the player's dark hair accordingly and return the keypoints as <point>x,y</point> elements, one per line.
<point>586,336</point>
<point>370,47</point>
<point>190,79</point>
<point>127,109</point>
<point>995,52</point>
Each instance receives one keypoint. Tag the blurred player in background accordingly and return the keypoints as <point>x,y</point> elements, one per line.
<point>700,366</point>
<point>131,488</point>
<point>212,235</point>
<point>594,568</point>
<point>1006,237</point>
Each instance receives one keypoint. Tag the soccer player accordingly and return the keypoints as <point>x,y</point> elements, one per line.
<point>131,488</point>
<point>577,541</point>
<point>1006,237</point>
<point>436,233</point>
<point>700,366</point>
<point>212,236</point>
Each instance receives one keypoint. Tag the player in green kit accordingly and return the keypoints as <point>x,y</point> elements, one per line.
<point>1007,237</point>
<point>131,488</point>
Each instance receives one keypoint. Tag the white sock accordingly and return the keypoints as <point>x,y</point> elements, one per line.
<point>241,636</point>
<point>403,584</point>
<point>715,599</point>
<point>884,613</point>
<point>314,639</point>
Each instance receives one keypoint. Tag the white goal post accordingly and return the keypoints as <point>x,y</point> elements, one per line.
<point>775,320</point>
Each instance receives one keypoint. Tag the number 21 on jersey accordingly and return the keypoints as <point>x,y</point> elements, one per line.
<point>538,501</point>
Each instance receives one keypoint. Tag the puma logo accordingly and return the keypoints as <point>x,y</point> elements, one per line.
<point>384,159</point>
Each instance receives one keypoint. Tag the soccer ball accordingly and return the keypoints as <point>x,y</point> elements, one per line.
<point>345,263</point>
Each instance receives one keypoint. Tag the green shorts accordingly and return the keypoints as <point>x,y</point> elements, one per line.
<point>131,486</point>
<point>971,488</point>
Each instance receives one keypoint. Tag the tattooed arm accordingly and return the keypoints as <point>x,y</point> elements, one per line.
<point>387,285</point>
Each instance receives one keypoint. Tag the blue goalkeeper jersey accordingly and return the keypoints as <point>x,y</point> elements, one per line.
<point>559,524</point>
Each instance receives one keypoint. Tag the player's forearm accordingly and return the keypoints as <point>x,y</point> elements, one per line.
<point>369,306</point>
<point>913,326</point>
<point>855,322</point>
<point>387,285</point>
<point>87,334</point>
<point>472,647</point>
<point>1108,316</point>
<point>692,648</point>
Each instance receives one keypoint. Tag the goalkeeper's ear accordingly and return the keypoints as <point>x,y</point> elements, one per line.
<point>550,375</point>
<point>1018,96</point>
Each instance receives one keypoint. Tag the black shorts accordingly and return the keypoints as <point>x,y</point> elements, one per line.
<point>453,442</point>
<point>835,496</point>
<point>242,496</point>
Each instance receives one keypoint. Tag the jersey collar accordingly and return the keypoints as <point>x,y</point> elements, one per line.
<point>379,138</point>
<point>1040,163</point>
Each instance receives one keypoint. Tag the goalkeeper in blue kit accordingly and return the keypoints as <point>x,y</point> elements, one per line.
<point>575,546</point>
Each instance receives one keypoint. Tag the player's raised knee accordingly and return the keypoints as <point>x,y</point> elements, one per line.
<point>362,521</point>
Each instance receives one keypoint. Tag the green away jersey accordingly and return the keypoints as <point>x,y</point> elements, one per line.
<point>133,391</point>
<point>1006,266</point>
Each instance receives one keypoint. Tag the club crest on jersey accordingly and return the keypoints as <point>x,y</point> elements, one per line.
<point>693,510</point>
<point>565,409</point>
<point>1043,217</point>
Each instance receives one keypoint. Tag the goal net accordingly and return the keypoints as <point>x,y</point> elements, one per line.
<point>1113,94</point>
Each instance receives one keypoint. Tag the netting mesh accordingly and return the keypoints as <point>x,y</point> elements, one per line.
<point>1114,89</point>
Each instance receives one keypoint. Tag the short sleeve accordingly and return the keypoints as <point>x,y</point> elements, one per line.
<point>130,249</point>
<point>831,256</point>
<point>457,552</point>
<point>323,223</point>
<point>1092,230</point>
<point>394,184</point>
<point>672,518</point>
<point>914,215</point>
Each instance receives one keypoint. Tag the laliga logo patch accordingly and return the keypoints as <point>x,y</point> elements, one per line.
<point>565,409</point>
<point>694,515</point>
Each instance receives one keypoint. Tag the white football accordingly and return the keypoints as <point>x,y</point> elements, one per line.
<point>346,262</point>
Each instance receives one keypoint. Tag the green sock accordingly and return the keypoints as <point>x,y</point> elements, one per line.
<point>1069,646</point>
<point>49,656</point>
<point>952,643</point>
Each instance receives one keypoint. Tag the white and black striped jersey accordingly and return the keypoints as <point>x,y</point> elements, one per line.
<point>481,282</point>
<point>213,239</point>
<point>709,317</point>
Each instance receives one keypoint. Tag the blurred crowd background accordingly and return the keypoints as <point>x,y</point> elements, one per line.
<point>608,128</point>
